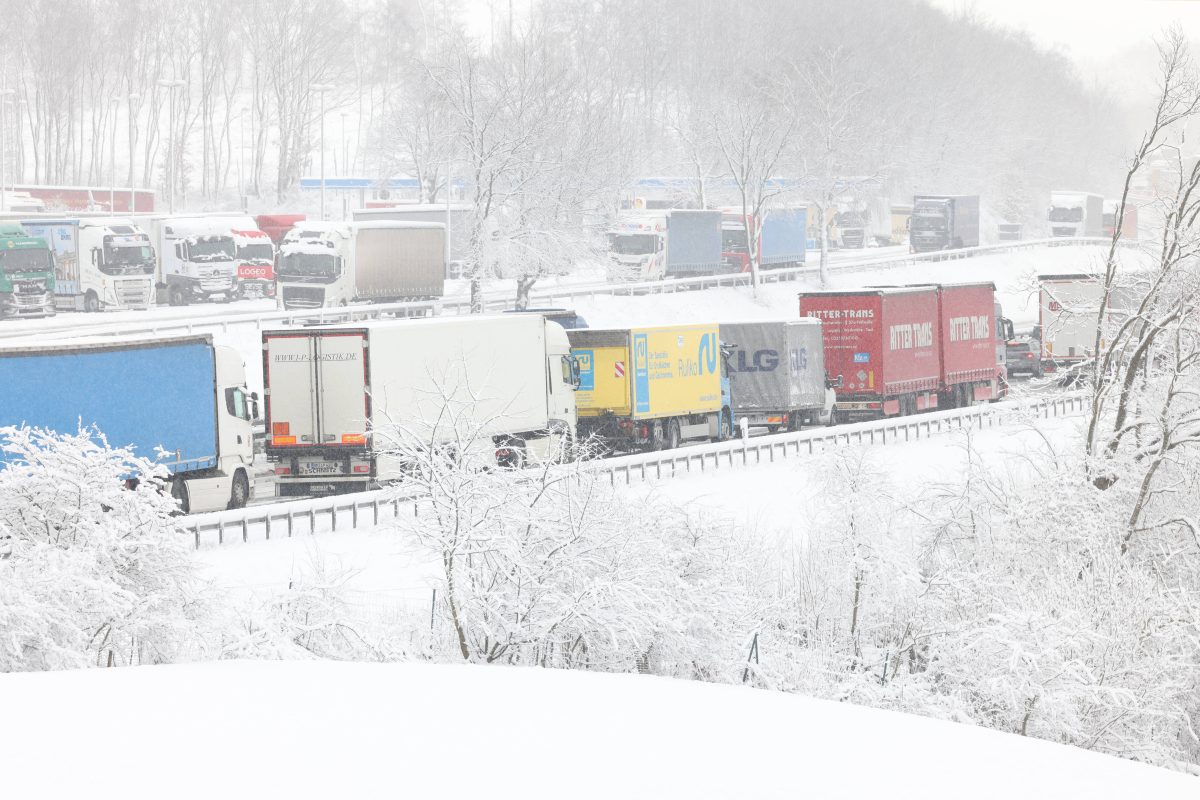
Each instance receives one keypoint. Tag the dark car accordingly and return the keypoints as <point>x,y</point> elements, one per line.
<point>1024,356</point>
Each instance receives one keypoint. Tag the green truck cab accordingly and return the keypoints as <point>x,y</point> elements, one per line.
<point>26,274</point>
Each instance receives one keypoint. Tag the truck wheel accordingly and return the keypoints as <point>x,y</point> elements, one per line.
<point>657,438</point>
<point>725,427</point>
<point>91,302</point>
<point>180,493</point>
<point>674,437</point>
<point>239,495</point>
<point>176,296</point>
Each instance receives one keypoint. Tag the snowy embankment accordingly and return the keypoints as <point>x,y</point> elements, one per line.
<point>328,729</point>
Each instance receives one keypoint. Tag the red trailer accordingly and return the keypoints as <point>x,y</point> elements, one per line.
<point>968,343</point>
<point>277,225</point>
<point>885,345</point>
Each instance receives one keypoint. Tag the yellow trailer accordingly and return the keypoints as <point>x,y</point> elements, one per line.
<point>652,386</point>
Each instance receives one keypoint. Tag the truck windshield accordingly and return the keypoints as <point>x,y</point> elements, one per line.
<point>632,244</point>
<point>848,219</point>
<point>733,240</point>
<point>31,260</point>
<point>210,248</point>
<point>932,217</point>
<point>1064,214</point>
<point>127,258</point>
<point>309,265</point>
<point>257,251</point>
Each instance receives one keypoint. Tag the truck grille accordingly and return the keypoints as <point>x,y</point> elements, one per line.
<point>1062,231</point>
<point>303,296</point>
<point>133,293</point>
<point>216,284</point>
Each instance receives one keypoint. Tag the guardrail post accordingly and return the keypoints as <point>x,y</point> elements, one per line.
<point>291,525</point>
<point>375,511</point>
<point>220,532</point>
<point>312,521</point>
<point>267,524</point>
<point>197,529</point>
<point>354,515</point>
<point>245,530</point>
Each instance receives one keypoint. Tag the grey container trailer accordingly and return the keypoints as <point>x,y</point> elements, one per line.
<point>693,243</point>
<point>944,222</point>
<point>777,371</point>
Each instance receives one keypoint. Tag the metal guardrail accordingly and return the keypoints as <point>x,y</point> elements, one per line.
<point>497,301</point>
<point>368,509</point>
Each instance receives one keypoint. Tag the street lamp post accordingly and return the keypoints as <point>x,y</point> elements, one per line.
<point>4,95</point>
<point>321,89</point>
<point>171,86</point>
<point>112,166</point>
<point>130,100</point>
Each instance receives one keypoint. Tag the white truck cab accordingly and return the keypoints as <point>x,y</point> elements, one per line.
<point>637,248</point>
<point>313,265</point>
<point>197,259</point>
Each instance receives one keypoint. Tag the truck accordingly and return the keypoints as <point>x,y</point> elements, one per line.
<point>255,262</point>
<point>943,222</point>
<point>197,259</point>
<point>849,228</point>
<point>1076,214</point>
<point>338,396</point>
<point>652,388</point>
<point>669,244</point>
<point>26,274</point>
<point>782,242</point>
<point>972,345</point>
<point>323,264</point>
<point>1129,222</point>
<point>456,218</point>
<point>777,373</point>
<point>1068,309</point>
<point>99,262</point>
<point>883,344</point>
<point>177,401</point>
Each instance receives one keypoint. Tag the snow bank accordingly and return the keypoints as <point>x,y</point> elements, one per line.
<point>327,729</point>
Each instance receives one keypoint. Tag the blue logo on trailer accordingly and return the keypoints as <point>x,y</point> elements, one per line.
<point>587,370</point>
<point>862,358</point>
<point>641,374</point>
<point>707,356</point>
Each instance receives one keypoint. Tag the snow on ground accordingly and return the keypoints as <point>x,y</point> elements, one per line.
<point>328,729</point>
<point>1014,274</point>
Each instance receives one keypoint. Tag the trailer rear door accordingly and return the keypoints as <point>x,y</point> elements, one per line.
<point>317,391</point>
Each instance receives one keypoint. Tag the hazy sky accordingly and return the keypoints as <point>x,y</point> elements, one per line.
<point>1088,30</point>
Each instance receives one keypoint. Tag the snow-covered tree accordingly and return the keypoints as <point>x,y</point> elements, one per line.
<point>91,572</point>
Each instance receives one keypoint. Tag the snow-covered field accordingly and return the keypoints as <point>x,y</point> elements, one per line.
<point>328,729</point>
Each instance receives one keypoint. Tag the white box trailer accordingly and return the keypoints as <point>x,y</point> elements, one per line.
<point>1068,310</point>
<point>337,396</point>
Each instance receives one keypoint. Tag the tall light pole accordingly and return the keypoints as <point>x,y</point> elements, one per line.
<point>4,95</point>
<point>345,148</point>
<point>241,154</point>
<point>130,100</point>
<point>321,89</point>
<point>171,86</point>
<point>112,162</point>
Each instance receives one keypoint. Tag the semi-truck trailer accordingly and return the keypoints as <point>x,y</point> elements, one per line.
<point>884,344</point>
<point>1068,313</point>
<point>456,218</point>
<point>338,397</point>
<point>180,402</point>
<point>334,264</point>
<point>652,388</point>
<point>943,222</point>
<point>197,259</point>
<point>26,274</point>
<point>1076,214</point>
<point>99,262</point>
<point>971,350</point>
<point>277,225</point>
<point>670,244</point>
<point>782,242</point>
<point>777,373</point>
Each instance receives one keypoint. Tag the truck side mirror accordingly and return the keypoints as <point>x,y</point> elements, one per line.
<point>833,383</point>
<point>254,405</point>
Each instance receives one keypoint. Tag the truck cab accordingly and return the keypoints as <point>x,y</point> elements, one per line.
<point>255,263</point>
<point>117,265</point>
<point>26,274</point>
<point>312,269</point>
<point>637,248</point>
<point>197,260</point>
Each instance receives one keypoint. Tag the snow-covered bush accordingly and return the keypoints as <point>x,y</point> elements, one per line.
<point>91,573</point>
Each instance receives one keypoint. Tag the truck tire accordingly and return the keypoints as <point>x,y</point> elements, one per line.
<point>91,302</point>
<point>657,435</point>
<point>176,296</point>
<point>239,494</point>
<point>180,493</point>
<point>674,437</point>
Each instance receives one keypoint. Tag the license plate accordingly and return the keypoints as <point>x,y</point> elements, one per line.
<point>320,468</point>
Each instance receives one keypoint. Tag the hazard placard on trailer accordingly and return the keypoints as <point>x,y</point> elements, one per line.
<point>618,369</point>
